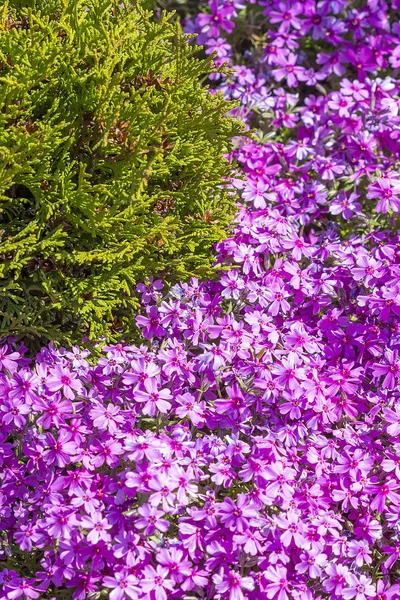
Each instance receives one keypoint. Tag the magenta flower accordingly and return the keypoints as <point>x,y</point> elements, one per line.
<point>60,450</point>
<point>360,588</point>
<point>97,527</point>
<point>233,583</point>
<point>157,582</point>
<point>387,191</point>
<point>390,369</point>
<point>150,324</point>
<point>176,562</point>
<point>154,398</point>
<point>294,529</point>
<point>385,491</point>
<point>287,16</point>
<point>63,379</point>
<point>312,562</point>
<point>278,588</point>
<point>236,515</point>
<point>282,480</point>
<point>8,360</point>
<point>106,418</point>
<point>219,18</point>
<point>122,585</point>
<point>150,519</point>
<point>338,576</point>
<point>23,588</point>
<point>385,591</point>
<point>26,536</point>
<point>287,69</point>
<point>14,412</point>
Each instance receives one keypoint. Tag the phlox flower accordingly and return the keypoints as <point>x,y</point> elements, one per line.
<point>198,577</point>
<point>122,585</point>
<point>150,324</point>
<point>8,360</point>
<point>163,494</point>
<point>23,588</point>
<point>287,69</point>
<point>151,519</point>
<point>97,527</point>
<point>250,541</point>
<point>386,191</point>
<point>338,576</point>
<point>236,515</point>
<point>220,17</point>
<point>192,537</point>
<point>360,588</point>
<point>312,562</point>
<point>106,417</point>
<point>294,529</point>
<point>282,480</point>
<point>233,583</point>
<point>176,562</point>
<point>61,378</point>
<point>385,491</point>
<point>26,536</point>
<point>154,398</point>
<point>60,450</point>
<point>391,370</point>
<point>190,408</point>
<point>278,588</point>
<point>157,582</point>
<point>14,412</point>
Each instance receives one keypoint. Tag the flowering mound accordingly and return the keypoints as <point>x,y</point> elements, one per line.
<point>250,451</point>
<point>249,448</point>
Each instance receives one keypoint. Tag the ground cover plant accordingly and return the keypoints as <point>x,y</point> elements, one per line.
<point>112,164</point>
<point>248,446</point>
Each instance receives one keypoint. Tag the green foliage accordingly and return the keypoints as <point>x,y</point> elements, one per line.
<point>112,164</point>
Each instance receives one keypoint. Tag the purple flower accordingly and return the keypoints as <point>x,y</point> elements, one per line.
<point>360,588</point>
<point>154,398</point>
<point>60,450</point>
<point>157,582</point>
<point>219,18</point>
<point>233,583</point>
<point>97,527</point>
<point>63,379</point>
<point>122,585</point>
<point>278,586</point>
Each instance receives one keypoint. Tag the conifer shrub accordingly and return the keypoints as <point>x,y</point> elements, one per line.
<point>112,159</point>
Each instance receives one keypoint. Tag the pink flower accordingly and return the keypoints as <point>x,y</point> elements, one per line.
<point>97,527</point>
<point>278,589</point>
<point>385,491</point>
<point>359,588</point>
<point>176,562</point>
<point>156,581</point>
<point>150,519</point>
<point>122,584</point>
<point>23,588</point>
<point>61,449</point>
<point>106,418</point>
<point>233,583</point>
<point>236,515</point>
<point>338,576</point>
<point>63,379</point>
<point>154,398</point>
<point>287,69</point>
<point>294,529</point>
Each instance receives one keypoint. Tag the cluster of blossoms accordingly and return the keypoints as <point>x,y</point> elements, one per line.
<point>249,448</point>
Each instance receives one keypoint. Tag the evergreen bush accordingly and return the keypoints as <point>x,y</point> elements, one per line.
<point>112,159</point>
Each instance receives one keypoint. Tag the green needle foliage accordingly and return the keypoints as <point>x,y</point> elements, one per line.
<point>112,160</point>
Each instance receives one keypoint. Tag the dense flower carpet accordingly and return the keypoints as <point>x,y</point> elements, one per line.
<point>249,447</point>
